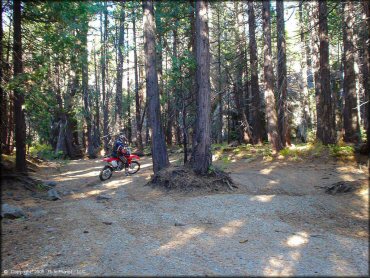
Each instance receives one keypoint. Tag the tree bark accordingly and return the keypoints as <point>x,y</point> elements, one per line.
<point>158,145</point>
<point>327,135</point>
<point>170,112</point>
<point>245,132</point>
<point>7,105</point>
<point>255,109</point>
<point>272,121</point>
<point>282,76</point>
<point>246,83</point>
<point>118,107</point>
<point>129,122</point>
<point>104,81</point>
<point>159,53</point>
<point>350,121</point>
<point>3,101</point>
<point>139,122</point>
<point>201,158</point>
<point>366,12</point>
<point>309,70</point>
<point>219,83</point>
<point>304,99</point>
<point>67,141</point>
<point>19,118</point>
<point>97,108</point>
<point>85,89</point>
<point>316,63</point>
<point>193,77</point>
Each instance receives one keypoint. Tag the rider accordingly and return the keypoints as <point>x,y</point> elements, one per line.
<point>119,146</point>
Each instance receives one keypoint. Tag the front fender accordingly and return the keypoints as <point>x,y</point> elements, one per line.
<point>134,156</point>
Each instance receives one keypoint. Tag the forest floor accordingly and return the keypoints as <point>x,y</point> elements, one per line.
<point>278,222</point>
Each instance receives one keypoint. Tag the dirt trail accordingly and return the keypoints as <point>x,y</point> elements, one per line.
<point>279,222</point>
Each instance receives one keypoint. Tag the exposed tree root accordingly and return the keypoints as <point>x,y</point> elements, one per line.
<point>182,178</point>
<point>28,182</point>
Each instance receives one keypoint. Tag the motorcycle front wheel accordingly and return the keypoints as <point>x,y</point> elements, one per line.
<point>106,173</point>
<point>134,167</point>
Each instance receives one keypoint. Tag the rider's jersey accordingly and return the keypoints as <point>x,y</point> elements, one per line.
<point>117,148</point>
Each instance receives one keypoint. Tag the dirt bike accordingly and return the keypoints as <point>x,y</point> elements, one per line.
<point>115,164</point>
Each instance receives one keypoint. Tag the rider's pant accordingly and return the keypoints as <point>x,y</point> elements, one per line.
<point>124,160</point>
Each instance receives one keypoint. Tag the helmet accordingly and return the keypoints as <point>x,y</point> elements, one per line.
<point>121,138</point>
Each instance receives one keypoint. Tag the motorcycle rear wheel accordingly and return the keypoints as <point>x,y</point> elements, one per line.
<point>134,167</point>
<point>106,173</point>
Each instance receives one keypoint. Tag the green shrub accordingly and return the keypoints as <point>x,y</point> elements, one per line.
<point>317,149</point>
<point>234,135</point>
<point>363,134</point>
<point>147,150</point>
<point>311,136</point>
<point>225,160</point>
<point>211,169</point>
<point>45,151</point>
<point>341,151</point>
<point>219,146</point>
<point>242,148</point>
<point>285,152</point>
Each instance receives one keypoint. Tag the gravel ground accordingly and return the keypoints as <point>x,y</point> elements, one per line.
<point>278,223</point>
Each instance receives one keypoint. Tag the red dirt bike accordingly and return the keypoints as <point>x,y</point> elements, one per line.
<point>115,164</point>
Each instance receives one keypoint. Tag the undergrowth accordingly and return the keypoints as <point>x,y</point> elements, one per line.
<point>226,154</point>
<point>316,150</point>
<point>46,152</point>
<point>244,151</point>
<point>341,151</point>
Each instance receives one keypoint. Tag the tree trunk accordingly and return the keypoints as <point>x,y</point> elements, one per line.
<point>85,89</point>
<point>129,122</point>
<point>245,132</point>
<point>19,119</point>
<point>66,142</point>
<point>193,78</point>
<point>272,121</point>
<point>255,109</point>
<point>327,135</point>
<point>10,122</point>
<point>97,108</point>
<point>308,73</point>
<point>159,53</point>
<point>366,7</point>
<point>10,139</point>
<point>158,145</point>
<point>282,76</point>
<point>170,112</point>
<point>201,158</point>
<point>118,111</point>
<point>246,91</point>
<point>219,83</point>
<point>139,125</point>
<point>104,80</point>
<point>7,105</point>
<point>61,142</point>
<point>185,130</point>
<point>350,121</point>
<point>147,131</point>
<point>3,101</point>
<point>358,86</point>
<point>316,63</point>
<point>304,99</point>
